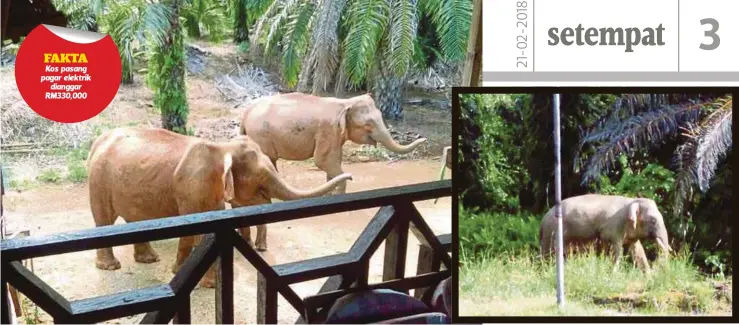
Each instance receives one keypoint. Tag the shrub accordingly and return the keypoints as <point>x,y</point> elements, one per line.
<point>490,233</point>
<point>51,175</point>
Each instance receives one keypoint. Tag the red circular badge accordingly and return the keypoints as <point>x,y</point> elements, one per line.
<point>67,75</point>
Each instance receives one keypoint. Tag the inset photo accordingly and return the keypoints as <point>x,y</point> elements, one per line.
<point>594,201</point>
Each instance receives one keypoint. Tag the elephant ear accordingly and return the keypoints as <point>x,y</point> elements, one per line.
<point>633,214</point>
<point>341,119</point>
<point>228,179</point>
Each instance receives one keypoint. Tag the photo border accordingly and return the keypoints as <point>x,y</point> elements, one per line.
<point>456,319</point>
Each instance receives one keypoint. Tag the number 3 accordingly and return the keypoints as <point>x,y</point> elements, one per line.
<point>710,33</point>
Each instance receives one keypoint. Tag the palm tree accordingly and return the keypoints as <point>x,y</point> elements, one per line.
<point>359,43</point>
<point>240,20</point>
<point>129,24</point>
<point>701,123</point>
<point>204,14</point>
<point>81,14</point>
<point>166,75</point>
<point>244,13</point>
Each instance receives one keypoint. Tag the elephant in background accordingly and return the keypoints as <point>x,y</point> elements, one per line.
<point>141,174</point>
<point>297,126</point>
<point>608,220</point>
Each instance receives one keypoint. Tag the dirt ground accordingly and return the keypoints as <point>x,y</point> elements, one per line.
<point>47,208</point>
<point>53,209</point>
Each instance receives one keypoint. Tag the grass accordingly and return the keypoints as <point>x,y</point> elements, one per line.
<point>525,286</point>
<point>50,175</point>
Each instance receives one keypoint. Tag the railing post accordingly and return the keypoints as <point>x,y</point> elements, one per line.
<point>266,301</point>
<point>396,249</point>
<point>427,262</point>
<point>225,280</point>
<point>183,312</point>
<point>5,302</point>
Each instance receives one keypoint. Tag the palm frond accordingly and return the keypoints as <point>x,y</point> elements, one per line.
<point>368,19</point>
<point>642,131</point>
<point>452,19</point>
<point>155,21</point>
<point>273,9</point>
<point>402,34</point>
<point>696,160</point>
<point>212,16</point>
<point>323,59</point>
<point>256,8</point>
<point>276,30</point>
<point>684,161</point>
<point>81,14</point>
<point>296,39</point>
<point>713,141</point>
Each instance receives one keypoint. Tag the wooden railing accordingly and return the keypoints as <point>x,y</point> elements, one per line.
<point>347,272</point>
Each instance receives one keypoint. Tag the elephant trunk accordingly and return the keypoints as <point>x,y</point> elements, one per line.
<point>663,243</point>
<point>382,135</point>
<point>283,191</point>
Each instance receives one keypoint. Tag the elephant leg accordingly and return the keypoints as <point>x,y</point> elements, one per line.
<point>143,253</point>
<point>328,159</point>
<point>636,250</point>
<point>245,231</point>
<point>184,248</point>
<point>616,248</point>
<point>104,216</point>
<point>246,235</point>
<point>261,238</point>
<point>195,203</point>
<point>209,279</point>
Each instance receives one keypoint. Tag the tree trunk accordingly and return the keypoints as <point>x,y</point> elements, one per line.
<point>241,30</point>
<point>473,62</point>
<point>170,95</point>
<point>127,76</point>
<point>193,27</point>
<point>387,93</point>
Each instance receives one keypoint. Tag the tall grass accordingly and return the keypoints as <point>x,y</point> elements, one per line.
<point>502,273</point>
<point>675,285</point>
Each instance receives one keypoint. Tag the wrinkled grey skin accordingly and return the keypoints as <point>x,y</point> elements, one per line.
<point>611,220</point>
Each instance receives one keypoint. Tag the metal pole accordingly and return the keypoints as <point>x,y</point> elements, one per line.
<point>558,206</point>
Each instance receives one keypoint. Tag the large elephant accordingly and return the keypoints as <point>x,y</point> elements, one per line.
<point>297,126</point>
<point>609,220</point>
<point>141,174</point>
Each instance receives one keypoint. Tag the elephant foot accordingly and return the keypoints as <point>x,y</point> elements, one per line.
<point>176,267</point>
<point>207,283</point>
<point>108,264</point>
<point>261,246</point>
<point>148,257</point>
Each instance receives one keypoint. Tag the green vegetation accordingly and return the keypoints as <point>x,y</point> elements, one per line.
<point>518,285</point>
<point>361,44</point>
<point>50,175</point>
<point>166,75</point>
<point>674,149</point>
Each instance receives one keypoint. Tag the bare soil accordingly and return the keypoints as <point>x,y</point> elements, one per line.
<point>61,208</point>
<point>47,209</point>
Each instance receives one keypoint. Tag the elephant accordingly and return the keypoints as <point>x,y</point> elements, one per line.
<point>608,221</point>
<point>298,126</point>
<point>147,173</point>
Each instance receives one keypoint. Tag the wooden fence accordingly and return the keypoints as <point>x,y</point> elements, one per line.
<point>346,272</point>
